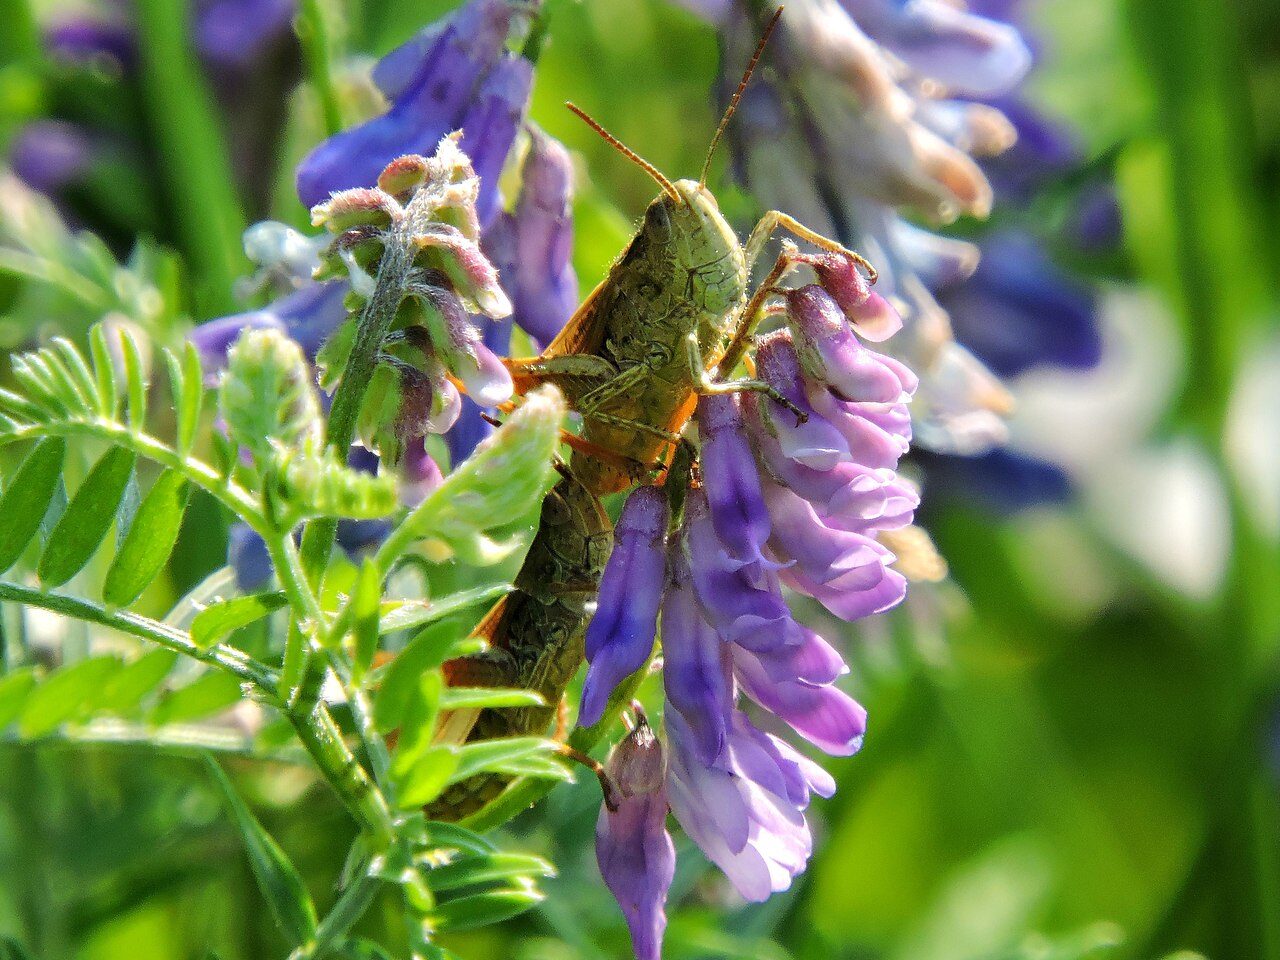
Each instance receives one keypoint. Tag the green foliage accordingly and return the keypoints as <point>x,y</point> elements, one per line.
<point>150,540</point>
<point>219,620</point>
<point>277,877</point>
<point>501,481</point>
<point>87,519</point>
<point>26,499</point>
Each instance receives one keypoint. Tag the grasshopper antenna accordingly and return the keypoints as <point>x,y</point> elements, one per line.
<point>626,151</point>
<point>737,94</point>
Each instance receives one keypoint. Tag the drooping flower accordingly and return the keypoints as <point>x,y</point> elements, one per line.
<point>633,848</point>
<point>879,107</point>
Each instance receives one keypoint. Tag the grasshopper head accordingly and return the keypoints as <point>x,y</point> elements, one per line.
<point>692,225</point>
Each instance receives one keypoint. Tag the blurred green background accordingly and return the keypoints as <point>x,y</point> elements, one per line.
<point>1071,751</point>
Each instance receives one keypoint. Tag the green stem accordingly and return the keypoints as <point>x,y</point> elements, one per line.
<point>234,497</point>
<point>365,802</point>
<point>314,36</point>
<point>351,906</point>
<point>234,661</point>
<point>374,324</point>
<point>179,738</point>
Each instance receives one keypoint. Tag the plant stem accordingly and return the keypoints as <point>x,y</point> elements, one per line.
<point>180,738</point>
<point>375,322</point>
<point>365,802</point>
<point>314,36</point>
<point>234,661</point>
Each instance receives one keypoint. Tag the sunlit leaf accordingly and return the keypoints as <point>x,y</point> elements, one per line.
<point>488,868</point>
<point>150,540</point>
<point>219,620</point>
<point>203,697</point>
<point>15,687</point>
<point>27,498</point>
<point>66,694</point>
<point>87,518</point>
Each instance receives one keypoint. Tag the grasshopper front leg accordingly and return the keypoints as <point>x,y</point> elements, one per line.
<point>708,385</point>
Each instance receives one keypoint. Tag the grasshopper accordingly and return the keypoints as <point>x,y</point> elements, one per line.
<point>669,323</point>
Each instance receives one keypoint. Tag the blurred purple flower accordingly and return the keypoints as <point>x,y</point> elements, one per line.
<point>532,245</point>
<point>308,315</point>
<point>232,34</point>
<point>50,155</point>
<point>1020,311</point>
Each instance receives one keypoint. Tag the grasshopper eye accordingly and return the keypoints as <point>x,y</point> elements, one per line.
<point>657,222</point>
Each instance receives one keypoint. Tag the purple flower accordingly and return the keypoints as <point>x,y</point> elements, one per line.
<point>968,54</point>
<point>695,669</point>
<point>743,602</point>
<point>308,315</point>
<point>830,353</point>
<point>746,812</point>
<point>232,34</point>
<point>49,155</point>
<point>823,714</point>
<point>533,245</point>
<point>620,636</point>
<point>731,478</point>
<point>86,40</point>
<point>636,856</point>
<point>1020,311</point>
<point>458,76</point>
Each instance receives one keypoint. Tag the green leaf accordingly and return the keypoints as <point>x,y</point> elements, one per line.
<point>277,877</point>
<point>401,680</point>
<point>66,694</point>
<point>127,688</point>
<point>187,386</point>
<point>135,380</point>
<point>459,698</point>
<point>433,769</point>
<point>496,486</point>
<point>483,909</point>
<point>150,540</point>
<point>219,620</point>
<point>87,518</point>
<point>417,728</point>
<point>14,690</point>
<point>406,614</point>
<point>27,498</point>
<point>360,949</point>
<point>104,372</point>
<point>210,694</point>
<point>502,756</point>
<point>452,836</point>
<point>11,949</point>
<point>365,609</point>
<point>488,868</point>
